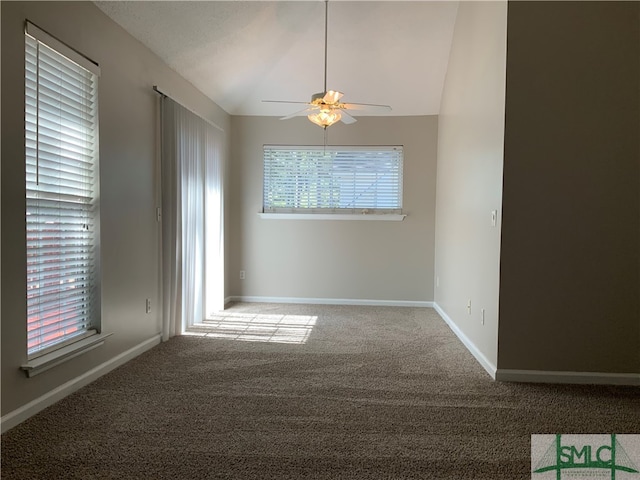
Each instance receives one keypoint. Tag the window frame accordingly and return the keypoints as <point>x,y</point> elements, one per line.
<point>89,337</point>
<point>386,161</point>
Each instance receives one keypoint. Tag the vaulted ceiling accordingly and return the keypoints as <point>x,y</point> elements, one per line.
<point>239,53</point>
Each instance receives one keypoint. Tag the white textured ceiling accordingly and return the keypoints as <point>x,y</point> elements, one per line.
<point>239,53</point>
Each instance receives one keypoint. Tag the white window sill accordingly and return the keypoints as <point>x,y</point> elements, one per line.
<point>393,217</point>
<point>49,360</point>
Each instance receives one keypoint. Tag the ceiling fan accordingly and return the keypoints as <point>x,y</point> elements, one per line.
<point>325,108</point>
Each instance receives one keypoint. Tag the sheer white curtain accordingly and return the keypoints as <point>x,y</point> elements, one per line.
<point>192,225</point>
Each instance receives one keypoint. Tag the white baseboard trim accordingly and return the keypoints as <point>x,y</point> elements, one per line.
<point>479,356</point>
<point>589,378</point>
<point>330,301</point>
<point>22,413</point>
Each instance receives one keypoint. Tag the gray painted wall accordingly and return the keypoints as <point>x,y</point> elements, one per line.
<point>129,193</point>
<point>374,260</point>
<point>569,295</point>
<point>470,159</point>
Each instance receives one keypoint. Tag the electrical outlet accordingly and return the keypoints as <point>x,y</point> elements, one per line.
<point>482,316</point>
<point>148,305</point>
<point>494,217</point>
<point>469,307</point>
<point>437,281</point>
<point>242,275</point>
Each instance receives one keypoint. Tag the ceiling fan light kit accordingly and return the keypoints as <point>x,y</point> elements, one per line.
<point>325,107</point>
<point>326,117</point>
<point>329,108</point>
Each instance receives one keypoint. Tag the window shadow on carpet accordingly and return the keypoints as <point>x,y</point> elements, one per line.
<point>252,327</point>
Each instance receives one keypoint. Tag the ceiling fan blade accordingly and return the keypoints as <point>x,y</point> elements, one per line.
<point>332,96</point>
<point>306,111</point>
<point>366,106</point>
<point>283,101</point>
<point>346,118</point>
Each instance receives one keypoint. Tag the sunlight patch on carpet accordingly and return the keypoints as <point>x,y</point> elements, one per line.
<point>253,327</point>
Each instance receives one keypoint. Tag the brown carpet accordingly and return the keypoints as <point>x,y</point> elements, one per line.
<point>374,393</point>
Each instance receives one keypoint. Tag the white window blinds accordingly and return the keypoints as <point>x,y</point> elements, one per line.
<point>333,179</point>
<point>61,136</point>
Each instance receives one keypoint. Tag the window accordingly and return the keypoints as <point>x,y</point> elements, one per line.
<point>61,140</point>
<point>332,179</point>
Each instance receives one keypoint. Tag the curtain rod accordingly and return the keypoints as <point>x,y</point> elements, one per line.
<point>165,95</point>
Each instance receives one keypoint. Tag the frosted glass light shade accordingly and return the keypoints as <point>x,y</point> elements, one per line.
<point>325,117</point>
